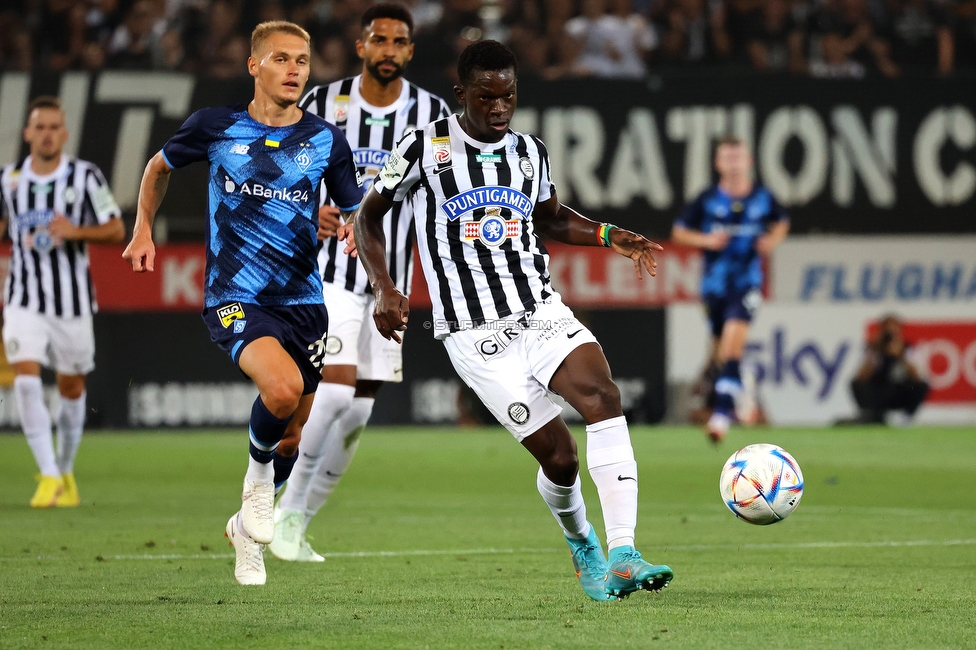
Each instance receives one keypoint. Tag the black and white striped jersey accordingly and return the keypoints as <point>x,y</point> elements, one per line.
<point>48,276</point>
<point>372,132</point>
<point>473,203</point>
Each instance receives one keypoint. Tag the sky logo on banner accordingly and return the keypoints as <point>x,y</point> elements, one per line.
<point>487,197</point>
<point>808,363</point>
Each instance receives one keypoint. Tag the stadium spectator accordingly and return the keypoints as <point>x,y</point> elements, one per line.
<point>835,61</point>
<point>921,36</point>
<point>135,43</point>
<point>225,47</point>
<point>15,39</point>
<point>965,34</point>
<point>846,41</point>
<point>775,39</point>
<point>887,379</point>
<point>610,41</point>
<point>695,33</point>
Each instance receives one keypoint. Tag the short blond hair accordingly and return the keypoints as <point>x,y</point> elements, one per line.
<point>264,31</point>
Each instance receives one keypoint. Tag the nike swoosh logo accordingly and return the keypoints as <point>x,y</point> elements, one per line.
<point>621,477</point>
<point>569,336</point>
<point>625,576</point>
<point>328,473</point>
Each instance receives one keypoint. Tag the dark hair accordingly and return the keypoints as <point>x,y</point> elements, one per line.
<point>487,56</point>
<point>389,10</point>
<point>44,101</point>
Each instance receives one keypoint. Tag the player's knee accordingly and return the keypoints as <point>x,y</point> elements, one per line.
<point>562,466</point>
<point>281,398</point>
<point>600,400</point>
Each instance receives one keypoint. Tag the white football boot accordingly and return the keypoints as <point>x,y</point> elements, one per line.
<point>289,532</point>
<point>257,511</point>
<point>249,569</point>
<point>307,554</point>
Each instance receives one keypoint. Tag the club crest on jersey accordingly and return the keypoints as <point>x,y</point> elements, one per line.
<point>303,160</point>
<point>41,241</point>
<point>441,150</point>
<point>491,196</point>
<point>492,230</point>
<point>230,313</point>
<point>341,110</point>
<point>70,194</point>
<point>526,166</point>
<point>370,162</point>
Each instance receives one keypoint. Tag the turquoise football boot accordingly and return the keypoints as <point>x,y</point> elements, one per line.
<point>590,565</point>
<point>629,572</point>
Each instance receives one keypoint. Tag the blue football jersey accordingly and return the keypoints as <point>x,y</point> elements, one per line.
<point>736,269</point>
<point>264,184</point>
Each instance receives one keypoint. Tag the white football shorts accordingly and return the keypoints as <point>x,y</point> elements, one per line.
<point>355,341</point>
<point>65,344</point>
<point>509,363</point>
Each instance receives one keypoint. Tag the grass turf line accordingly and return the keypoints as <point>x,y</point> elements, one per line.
<point>878,554</point>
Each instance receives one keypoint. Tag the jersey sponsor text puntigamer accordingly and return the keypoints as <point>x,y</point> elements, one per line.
<point>372,133</point>
<point>48,276</point>
<point>473,203</point>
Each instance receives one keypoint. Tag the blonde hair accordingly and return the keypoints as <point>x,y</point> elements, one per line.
<point>264,31</point>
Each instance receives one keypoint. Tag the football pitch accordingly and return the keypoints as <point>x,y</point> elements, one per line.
<point>437,538</point>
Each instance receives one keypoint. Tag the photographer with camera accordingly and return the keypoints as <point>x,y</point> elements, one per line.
<point>887,380</point>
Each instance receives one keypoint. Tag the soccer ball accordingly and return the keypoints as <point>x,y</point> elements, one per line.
<point>761,484</point>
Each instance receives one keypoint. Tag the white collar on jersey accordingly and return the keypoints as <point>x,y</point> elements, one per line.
<point>455,127</point>
<point>397,106</point>
<point>59,171</point>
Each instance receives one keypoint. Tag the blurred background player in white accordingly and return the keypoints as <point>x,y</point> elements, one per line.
<point>374,109</point>
<point>53,205</point>
<point>736,222</point>
<point>483,196</point>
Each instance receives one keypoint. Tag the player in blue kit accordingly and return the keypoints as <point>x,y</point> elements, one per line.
<point>736,222</point>
<point>262,292</point>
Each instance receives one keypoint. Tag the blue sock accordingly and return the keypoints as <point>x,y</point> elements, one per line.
<point>282,469</point>
<point>266,431</point>
<point>727,387</point>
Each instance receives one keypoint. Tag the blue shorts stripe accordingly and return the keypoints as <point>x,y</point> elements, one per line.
<point>233,351</point>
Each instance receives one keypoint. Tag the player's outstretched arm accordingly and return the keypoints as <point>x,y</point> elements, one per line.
<point>563,224</point>
<point>767,243</point>
<point>713,241</point>
<point>141,252</point>
<point>392,307</point>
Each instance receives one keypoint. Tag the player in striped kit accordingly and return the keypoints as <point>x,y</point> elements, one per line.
<point>53,206</point>
<point>482,196</point>
<point>374,109</point>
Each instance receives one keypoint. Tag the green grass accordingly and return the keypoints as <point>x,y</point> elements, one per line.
<point>880,553</point>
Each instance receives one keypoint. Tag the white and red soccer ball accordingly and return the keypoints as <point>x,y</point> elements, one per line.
<point>761,484</point>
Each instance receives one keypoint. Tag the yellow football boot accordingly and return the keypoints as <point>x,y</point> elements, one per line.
<point>69,496</point>
<point>47,493</point>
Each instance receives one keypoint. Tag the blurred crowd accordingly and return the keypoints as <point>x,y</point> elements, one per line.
<point>622,39</point>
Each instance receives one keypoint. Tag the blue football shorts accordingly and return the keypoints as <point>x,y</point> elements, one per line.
<point>301,330</point>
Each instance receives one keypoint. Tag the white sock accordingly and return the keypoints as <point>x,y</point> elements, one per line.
<point>71,424</point>
<point>331,401</point>
<point>566,504</point>
<point>259,472</point>
<point>36,422</point>
<point>610,458</point>
<point>340,447</point>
